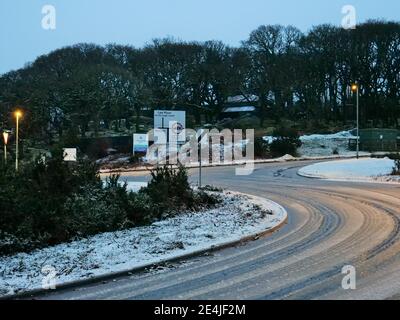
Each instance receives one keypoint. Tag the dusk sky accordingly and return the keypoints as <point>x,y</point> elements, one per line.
<point>136,22</point>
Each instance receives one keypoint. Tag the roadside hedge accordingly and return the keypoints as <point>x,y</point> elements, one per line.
<point>50,202</point>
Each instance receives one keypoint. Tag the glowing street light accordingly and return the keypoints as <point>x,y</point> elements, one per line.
<point>5,140</point>
<point>356,89</point>
<point>18,115</point>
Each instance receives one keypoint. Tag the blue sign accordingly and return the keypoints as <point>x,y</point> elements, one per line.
<point>140,143</point>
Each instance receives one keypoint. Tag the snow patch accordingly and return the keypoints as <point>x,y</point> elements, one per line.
<point>286,157</point>
<point>338,135</point>
<point>327,144</point>
<point>320,145</point>
<point>369,169</point>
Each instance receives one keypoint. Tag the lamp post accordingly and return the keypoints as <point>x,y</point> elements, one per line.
<point>356,89</point>
<point>5,140</point>
<point>18,115</point>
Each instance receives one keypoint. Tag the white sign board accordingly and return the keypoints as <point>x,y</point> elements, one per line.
<point>174,121</point>
<point>162,118</point>
<point>69,155</point>
<point>140,143</point>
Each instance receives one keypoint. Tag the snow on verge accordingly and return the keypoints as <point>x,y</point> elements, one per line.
<point>338,135</point>
<point>240,216</point>
<point>369,169</point>
<point>320,145</point>
<point>326,144</point>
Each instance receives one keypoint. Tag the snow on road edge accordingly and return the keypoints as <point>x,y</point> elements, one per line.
<point>361,170</point>
<point>241,217</point>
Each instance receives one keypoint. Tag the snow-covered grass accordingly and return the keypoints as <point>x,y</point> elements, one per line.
<point>319,145</point>
<point>338,135</point>
<point>326,144</point>
<point>369,169</point>
<point>238,216</point>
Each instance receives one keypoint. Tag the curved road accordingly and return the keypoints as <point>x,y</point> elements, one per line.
<point>331,224</point>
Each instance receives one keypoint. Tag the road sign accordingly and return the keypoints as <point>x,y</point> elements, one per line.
<point>140,143</point>
<point>171,122</point>
<point>163,118</point>
<point>69,155</point>
<point>169,132</point>
<point>176,127</point>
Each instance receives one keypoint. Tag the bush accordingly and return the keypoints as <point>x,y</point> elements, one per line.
<point>169,188</point>
<point>211,188</point>
<point>287,141</point>
<point>206,200</point>
<point>136,158</point>
<point>52,202</point>
<point>261,148</point>
<point>142,209</point>
<point>32,201</point>
<point>394,156</point>
<point>91,212</point>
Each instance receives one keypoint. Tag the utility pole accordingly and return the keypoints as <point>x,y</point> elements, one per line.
<point>358,122</point>
<point>356,89</point>
<point>18,115</point>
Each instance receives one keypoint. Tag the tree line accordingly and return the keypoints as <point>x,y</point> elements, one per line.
<point>295,75</point>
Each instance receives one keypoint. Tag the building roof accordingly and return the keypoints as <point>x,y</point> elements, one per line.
<point>240,109</point>
<point>242,98</point>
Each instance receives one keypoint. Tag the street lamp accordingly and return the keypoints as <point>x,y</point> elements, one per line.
<point>18,115</point>
<point>356,89</point>
<point>5,140</point>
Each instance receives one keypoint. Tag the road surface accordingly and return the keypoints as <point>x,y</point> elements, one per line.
<point>331,225</point>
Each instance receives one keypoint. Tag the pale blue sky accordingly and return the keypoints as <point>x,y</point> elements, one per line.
<point>136,22</point>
